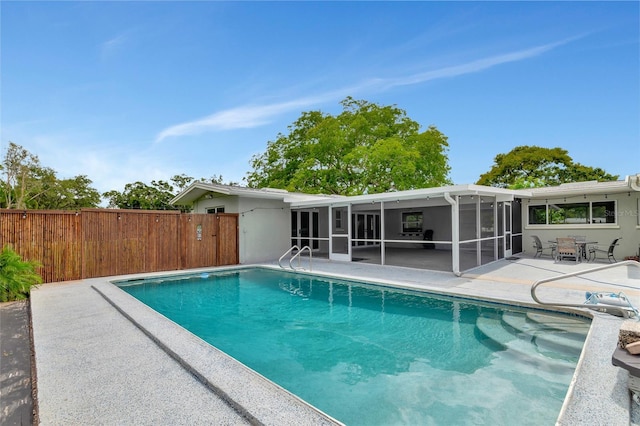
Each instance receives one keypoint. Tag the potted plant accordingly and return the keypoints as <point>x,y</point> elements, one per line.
<point>17,276</point>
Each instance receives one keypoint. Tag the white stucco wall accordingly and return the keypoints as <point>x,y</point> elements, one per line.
<point>230,203</point>
<point>264,229</point>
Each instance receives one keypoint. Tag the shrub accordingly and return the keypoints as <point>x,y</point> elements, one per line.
<point>17,276</point>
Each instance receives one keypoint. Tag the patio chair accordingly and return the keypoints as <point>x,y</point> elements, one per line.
<point>594,250</point>
<point>540,248</point>
<point>428,236</point>
<point>567,248</point>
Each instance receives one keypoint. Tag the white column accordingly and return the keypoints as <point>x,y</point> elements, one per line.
<point>455,233</point>
<point>382,235</point>
<point>478,231</point>
<point>330,230</point>
<point>349,231</point>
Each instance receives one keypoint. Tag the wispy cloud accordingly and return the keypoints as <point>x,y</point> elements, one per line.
<point>257,115</point>
<point>470,67</point>
<point>111,46</point>
<point>243,117</point>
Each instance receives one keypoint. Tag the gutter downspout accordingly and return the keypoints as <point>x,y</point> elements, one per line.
<point>455,234</point>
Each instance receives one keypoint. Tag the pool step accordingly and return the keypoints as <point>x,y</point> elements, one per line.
<point>550,343</point>
<point>579,326</point>
<point>568,339</point>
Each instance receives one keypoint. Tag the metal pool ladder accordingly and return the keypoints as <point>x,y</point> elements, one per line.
<point>619,303</point>
<point>296,256</point>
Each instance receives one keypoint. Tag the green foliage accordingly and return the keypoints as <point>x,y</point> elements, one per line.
<point>68,194</point>
<point>26,184</point>
<point>18,167</point>
<point>181,181</point>
<point>533,166</point>
<point>366,149</point>
<point>157,196</point>
<point>16,275</point>
<point>139,195</point>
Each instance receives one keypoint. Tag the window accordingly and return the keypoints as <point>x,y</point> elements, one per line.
<point>590,212</point>
<point>537,215</point>
<point>214,210</point>
<point>412,222</point>
<point>604,212</point>
<point>569,214</point>
<point>338,218</point>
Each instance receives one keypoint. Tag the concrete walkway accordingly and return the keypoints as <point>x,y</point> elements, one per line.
<point>104,358</point>
<point>96,367</point>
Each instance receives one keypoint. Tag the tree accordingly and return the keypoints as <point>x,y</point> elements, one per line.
<point>534,166</point>
<point>157,196</point>
<point>366,149</point>
<point>181,181</point>
<point>139,195</point>
<point>26,184</point>
<point>69,194</point>
<point>19,167</point>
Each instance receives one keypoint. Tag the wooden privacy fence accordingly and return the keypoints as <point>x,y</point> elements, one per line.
<point>101,242</point>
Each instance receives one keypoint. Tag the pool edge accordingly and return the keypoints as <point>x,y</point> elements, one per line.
<point>594,375</point>
<point>250,394</point>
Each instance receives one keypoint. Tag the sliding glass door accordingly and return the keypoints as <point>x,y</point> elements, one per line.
<point>305,229</point>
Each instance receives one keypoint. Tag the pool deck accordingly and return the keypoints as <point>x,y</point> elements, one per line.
<point>104,358</point>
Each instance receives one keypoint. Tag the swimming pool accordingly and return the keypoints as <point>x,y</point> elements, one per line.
<point>376,355</point>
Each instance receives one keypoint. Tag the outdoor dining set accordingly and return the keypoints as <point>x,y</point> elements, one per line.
<point>574,247</point>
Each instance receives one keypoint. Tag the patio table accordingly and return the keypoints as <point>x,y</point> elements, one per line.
<point>582,246</point>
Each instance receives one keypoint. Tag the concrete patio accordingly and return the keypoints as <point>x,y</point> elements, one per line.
<point>102,357</point>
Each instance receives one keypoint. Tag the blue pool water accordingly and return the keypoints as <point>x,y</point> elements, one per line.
<point>371,355</point>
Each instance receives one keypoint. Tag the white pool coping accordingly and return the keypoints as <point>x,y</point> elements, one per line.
<point>104,357</point>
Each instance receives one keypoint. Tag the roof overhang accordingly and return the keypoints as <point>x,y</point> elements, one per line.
<point>194,192</point>
<point>197,190</point>
<point>629,184</point>
<point>418,194</point>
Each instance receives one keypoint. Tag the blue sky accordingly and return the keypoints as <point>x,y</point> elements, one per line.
<point>140,91</point>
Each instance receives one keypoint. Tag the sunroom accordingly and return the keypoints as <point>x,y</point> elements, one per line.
<point>452,228</point>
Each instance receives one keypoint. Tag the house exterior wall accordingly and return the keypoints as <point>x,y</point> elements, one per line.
<point>212,200</point>
<point>265,229</point>
<point>626,224</point>
<point>265,218</point>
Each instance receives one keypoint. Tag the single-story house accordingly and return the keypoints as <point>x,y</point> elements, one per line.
<point>451,228</point>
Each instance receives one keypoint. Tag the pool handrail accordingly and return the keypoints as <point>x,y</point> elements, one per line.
<point>294,247</point>
<point>600,308</point>
<point>297,255</point>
